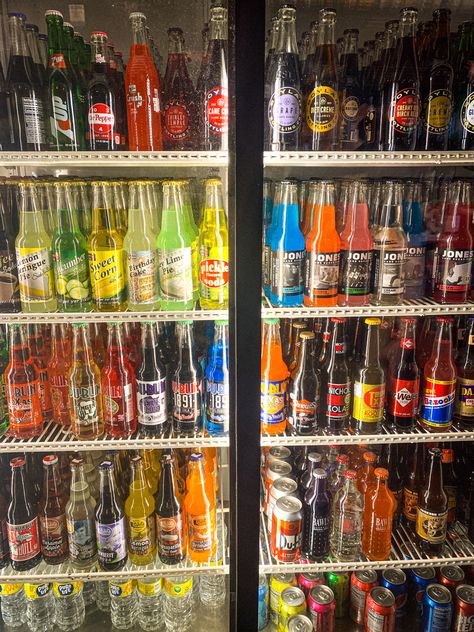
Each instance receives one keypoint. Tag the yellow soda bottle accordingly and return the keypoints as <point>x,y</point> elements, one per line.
<point>213,247</point>
<point>106,263</point>
<point>140,517</point>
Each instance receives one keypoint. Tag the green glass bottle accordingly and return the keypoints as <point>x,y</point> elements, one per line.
<point>70,50</point>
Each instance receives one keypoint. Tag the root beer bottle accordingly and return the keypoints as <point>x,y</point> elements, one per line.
<point>432,508</point>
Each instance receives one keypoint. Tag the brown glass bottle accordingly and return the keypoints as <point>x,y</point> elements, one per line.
<point>170,521</point>
<point>52,513</point>
<point>450,480</point>
<point>303,389</point>
<point>110,522</point>
<point>464,401</point>
<point>413,483</point>
<point>432,509</point>
<point>351,90</point>
<point>335,404</point>
<point>391,460</point>
<point>297,329</point>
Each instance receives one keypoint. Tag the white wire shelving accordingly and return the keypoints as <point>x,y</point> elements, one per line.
<point>107,317</point>
<point>312,159</point>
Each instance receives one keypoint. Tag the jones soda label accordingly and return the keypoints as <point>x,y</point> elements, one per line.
<point>322,274</point>
<point>111,541</point>
<point>403,397</point>
<point>431,526</point>
<point>176,274</point>
<point>322,109</point>
<point>439,108</point>
<point>216,107</point>
<point>453,270</point>
<point>33,113</point>
<point>438,402</point>
<point>217,404</point>
<point>142,272</point>
<point>170,535</point>
<point>467,113</point>
<point>35,274</point>
<point>84,404</point>
<point>368,402</point>
<point>415,266</point>
<point>405,111</point>
<point>24,540</point>
<point>81,538</point>
<point>176,119</point>
<point>284,110</point>
<point>464,403</point>
<point>355,267</point>
<point>272,402</point>
<point>53,536</point>
<point>287,272</point>
<point>107,276</point>
<point>389,272</point>
<point>151,402</point>
<point>141,536</point>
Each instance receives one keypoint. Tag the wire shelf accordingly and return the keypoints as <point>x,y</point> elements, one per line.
<point>107,317</point>
<point>389,159</point>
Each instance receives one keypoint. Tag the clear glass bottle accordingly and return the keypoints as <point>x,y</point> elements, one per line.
<point>80,519</point>
<point>347,520</point>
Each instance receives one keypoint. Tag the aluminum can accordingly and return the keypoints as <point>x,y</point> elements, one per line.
<point>263,596</point>
<point>292,601</point>
<point>340,585</point>
<point>451,577</point>
<point>380,610</point>
<point>278,583</point>
<point>362,583</point>
<point>300,623</point>
<point>287,529</point>
<point>278,453</point>
<point>419,580</point>
<point>464,609</point>
<point>322,609</point>
<point>275,470</point>
<point>396,581</point>
<point>283,486</point>
<point>437,610</point>
<point>307,581</point>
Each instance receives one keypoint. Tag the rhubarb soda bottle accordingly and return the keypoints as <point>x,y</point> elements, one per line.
<point>143,92</point>
<point>273,381</point>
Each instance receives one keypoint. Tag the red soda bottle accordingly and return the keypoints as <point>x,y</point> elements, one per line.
<point>58,368</point>
<point>37,357</point>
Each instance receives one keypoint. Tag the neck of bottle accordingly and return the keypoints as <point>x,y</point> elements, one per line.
<point>78,481</point>
<point>32,46</point>
<point>186,344</point>
<point>167,481</point>
<point>469,343</point>
<point>139,32</point>
<point>19,490</point>
<point>435,475</point>
<point>326,33</point>
<point>51,483</point>
<point>407,341</point>
<point>65,214</point>
<point>338,343</point>
<point>138,480</point>
<point>392,208</point>
<point>115,346</point>
<point>82,353</point>
<point>442,342</point>
<point>287,37</point>
<point>441,44</point>
<point>320,483</point>
<point>55,36</point>
<point>108,493</point>
<point>305,356</point>
<point>372,346</point>
<point>218,30</point>
<point>19,353</point>
<point>99,57</point>
<point>18,44</point>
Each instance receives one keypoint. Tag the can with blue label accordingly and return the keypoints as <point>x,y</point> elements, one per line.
<point>437,609</point>
<point>419,580</point>
<point>396,581</point>
<point>262,602</point>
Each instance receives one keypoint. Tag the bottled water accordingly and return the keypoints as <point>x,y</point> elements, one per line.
<point>13,602</point>
<point>123,604</point>
<point>39,607</point>
<point>102,595</point>
<point>212,588</point>
<point>150,604</point>
<point>88,592</point>
<point>69,605</point>
<point>178,603</point>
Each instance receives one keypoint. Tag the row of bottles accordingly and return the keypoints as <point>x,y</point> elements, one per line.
<point>63,94</point>
<point>75,246</point>
<point>329,243</point>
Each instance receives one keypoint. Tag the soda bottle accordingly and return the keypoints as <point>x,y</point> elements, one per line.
<point>464,401</point>
<point>24,92</point>
<point>51,512</point>
<point>213,248</point>
<point>454,252</point>
<point>366,472</point>
<point>414,228</point>
<point>110,522</point>
<point>150,377</point>
<point>216,395</point>
<point>33,255</point>
<point>179,98</point>
<point>37,357</point>
<point>379,508</point>
<point>140,517</point>
<point>283,104</point>
<point>117,81</point>
<point>450,481</point>
<point>461,133</point>
<point>22,521</point>
<point>118,388</point>
<point>391,460</point>
<point>297,329</point>
<point>80,519</point>
<point>186,384</point>
<point>347,520</point>
<point>102,106</point>
<point>273,380</point>
<point>351,89</point>
<point>322,251</point>
<point>434,214</point>
<point>439,381</point>
<point>143,92</point>
<point>404,380</point>
<point>313,461</point>
<point>84,383</point>
<point>170,519</point>
<point>316,518</point>
<point>413,482</point>
<point>335,406</point>
<point>320,87</point>
<point>432,508</point>
<point>9,289</point>
<point>369,384</point>
<point>385,80</point>
<point>105,246</point>
<point>390,249</point>
<point>303,390</point>
<point>4,548</point>
<point>200,512</point>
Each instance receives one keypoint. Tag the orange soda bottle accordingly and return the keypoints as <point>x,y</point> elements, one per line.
<point>200,509</point>
<point>379,507</point>
<point>365,475</point>
<point>273,380</point>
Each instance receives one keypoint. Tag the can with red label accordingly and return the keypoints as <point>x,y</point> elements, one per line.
<point>451,576</point>
<point>322,609</point>
<point>464,609</point>
<point>275,470</point>
<point>287,529</point>
<point>396,581</point>
<point>380,610</point>
<point>308,581</point>
<point>283,486</point>
<point>362,583</point>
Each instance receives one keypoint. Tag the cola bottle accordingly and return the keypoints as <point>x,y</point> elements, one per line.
<point>303,389</point>
<point>335,407</point>
<point>32,40</point>
<point>186,384</point>
<point>110,522</point>
<point>432,508</point>
<point>170,521</point>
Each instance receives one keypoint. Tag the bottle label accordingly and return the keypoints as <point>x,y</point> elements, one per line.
<point>84,401</point>
<point>322,274</point>
<point>322,109</point>
<point>59,388</point>
<point>302,413</point>
<point>405,111</point>
<point>151,402</point>
<point>24,540</point>
<point>451,493</point>
<point>216,105</point>
<point>175,589</point>
<point>150,588</point>
<point>33,113</point>
<point>101,121</point>
<point>36,591</point>
<point>57,61</point>
<point>35,274</point>
<point>438,402</point>
<point>415,266</point>
<point>284,110</point>
<point>8,278</point>
<point>72,278</point>
<point>410,503</point>
<point>467,113</point>
<point>64,590</point>
<point>389,272</point>
<point>354,278</point>
<point>176,118</point>
<point>10,589</point>
<point>81,538</point>
<point>187,402</point>
<point>453,270</point>
<point>338,401</point>
<point>176,274</point>
<point>214,276</point>
<point>23,403</point>
<point>464,403</point>
<point>286,269</point>
<point>53,536</point>
<point>403,397</point>
<point>142,273</point>
<point>368,402</point>
<point>60,122</point>
<point>141,536</point>
<point>272,402</point>
<point>170,535</point>
<point>123,590</point>
<point>217,403</point>
<point>200,533</point>
<point>431,526</point>
<point>107,276</point>
<point>350,108</point>
<point>439,109</point>
<point>111,541</point>
<point>119,403</point>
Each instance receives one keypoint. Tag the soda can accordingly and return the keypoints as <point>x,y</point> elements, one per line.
<point>300,623</point>
<point>275,470</point>
<point>380,610</point>
<point>437,609</point>
<point>420,579</point>
<point>451,576</point>
<point>262,602</point>
<point>278,453</point>
<point>339,583</point>
<point>278,583</point>
<point>396,581</point>
<point>283,486</point>
<point>362,583</point>
<point>322,609</point>
<point>307,581</point>
<point>292,601</point>
<point>287,529</point>
<point>464,609</point>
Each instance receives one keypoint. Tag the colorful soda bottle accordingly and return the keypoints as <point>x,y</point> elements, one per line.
<point>200,512</point>
<point>416,236</point>
<point>217,383</point>
<point>186,384</point>
<point>273,381</point>
<point>170,519</point>
<point>37,357</point>
<point>275,221</point>
<point>140,517</point>
<point>151,386</point>
<point>379,507</point>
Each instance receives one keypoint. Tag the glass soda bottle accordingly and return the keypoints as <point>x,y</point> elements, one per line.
<point>58,370</point>
<point>316,518</point>
<point>200,510</point>
<point>414,228</point>
<point>304,389</point>
<point>38,358</point>
<point>392,460</point>
<point>273,380</point>
<point>414,479</point>
<point>87,420</point>
<point>432,508</point>
<point>450,481</point>
<point>351,89</point>
<point>140,517</point>
<point>347,520</point>
<point>461,135</point>
<point>170,518</point>
<point>464,402</point>
<point>80,520</point>
<point>379,508</point>
<point>110,522</point>
<point>143,92</point>
<point>335,401</point>
<point>186,384</point>
<point>52,515</point>
<point>150,377</point>
<point>216,396</point>
<point>118,387</point>
<point>9,288</point>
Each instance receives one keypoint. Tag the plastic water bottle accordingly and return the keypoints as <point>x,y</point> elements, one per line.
<point>39,607</point>
<point>102,595</point>
<point>150,603</point>
<point>212,587</point>
<point>178,603</point>
<point>89,594</point>
<point>13,602</point>
<point>69,605</point>
<point>123,604</point>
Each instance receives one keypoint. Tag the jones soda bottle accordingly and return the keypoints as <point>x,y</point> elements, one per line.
<point>150,377</point>
<point>186,384</point>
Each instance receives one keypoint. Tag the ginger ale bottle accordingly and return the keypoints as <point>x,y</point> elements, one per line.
<point>140,517</point>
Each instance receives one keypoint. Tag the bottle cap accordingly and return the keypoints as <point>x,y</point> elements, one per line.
<point>196,456</point>
<point>338,320</point>
<point>407,319</point>
<point>17,462</point>
<point>381,472</point>
<point>314,457</point>
<point>106,465</point>
<point>307,335</point>
<point>50,459</point>
<point>272,321</point>
<point>100,34</point>
<point>372,321</point>
<point>32,27</point>
<point>77,462</point>
<point>350,474</point>
<point>53,12</point>
<point>370,457</point>
<point>342,458</point>
<point>320,473</point>
<point>444,319</point>
<point>22,16</point>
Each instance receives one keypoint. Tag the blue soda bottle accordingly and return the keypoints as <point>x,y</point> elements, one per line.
<point>417,240</point>
<point>287,251</point>
<point>267,220</point>
<point>217,383</point>
<point>268,237</point>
